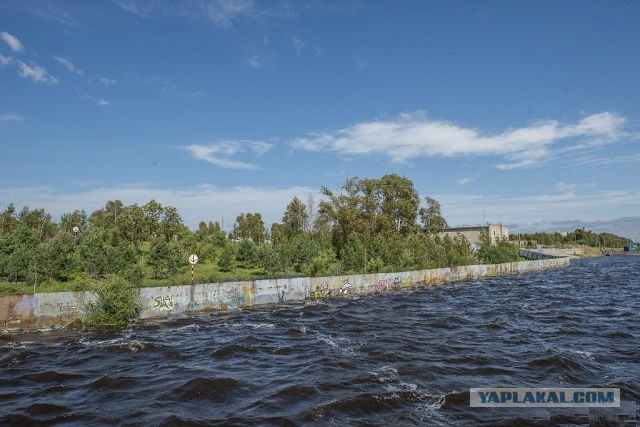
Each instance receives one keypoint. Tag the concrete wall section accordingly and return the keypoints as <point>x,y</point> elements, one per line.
<point>44,310</point>
<point>48,310</point>
<point>534,254</point>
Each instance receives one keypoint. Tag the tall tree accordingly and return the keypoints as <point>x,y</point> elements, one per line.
<point>171,223</point>
<point>295,218</point>
<point>432,220</point>
<point>77,218</point>
<point>153,212</point>
<point>249,226</point>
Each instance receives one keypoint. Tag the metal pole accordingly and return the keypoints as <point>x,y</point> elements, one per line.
<point>192,280</point>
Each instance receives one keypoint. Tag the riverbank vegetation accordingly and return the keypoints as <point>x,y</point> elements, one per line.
<point>368,226</point>
<point>571,239</point>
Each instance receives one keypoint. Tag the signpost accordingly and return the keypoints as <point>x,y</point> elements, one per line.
<point>193,260</point>
<point>75,230</point>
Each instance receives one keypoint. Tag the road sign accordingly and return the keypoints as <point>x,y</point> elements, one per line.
<point>75,230</point>
<point>193,259</point>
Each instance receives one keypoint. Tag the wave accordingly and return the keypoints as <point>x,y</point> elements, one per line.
<point>113,383</point>
<point>52,377</point>
<point>214,389</point>
<point>232,350</point>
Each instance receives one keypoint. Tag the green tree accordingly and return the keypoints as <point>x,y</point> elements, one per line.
<point>249,226</point>
<point>294,219</point>
<point>60,261</point>
<point>76,218</point>
<point>432,220</point>
<point>246,253</point>
<point>171,223</point>
<point>268,260</point>
<point>8,220</point>
<point>323,263</point>
<point>497,253</point>
<point>225,260</point>
<point>153,213</point>
<point>353,254</point>
<point>164,257</point>
<point>131,225</point>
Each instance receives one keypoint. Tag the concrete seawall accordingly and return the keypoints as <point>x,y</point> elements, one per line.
<point>56,310</point>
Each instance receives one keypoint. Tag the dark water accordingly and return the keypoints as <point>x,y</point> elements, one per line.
<point>405,358</point>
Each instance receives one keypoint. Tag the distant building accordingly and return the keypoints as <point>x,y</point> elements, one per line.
<point>472,234</point>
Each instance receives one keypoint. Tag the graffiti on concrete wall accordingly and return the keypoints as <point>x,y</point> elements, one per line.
<point>13,320</point>
<point>322,291</point>
<point>230,298</point>
<point>163,303</point>
<point>388,284</point>
<point>346,288</point>
<point>68,311</point>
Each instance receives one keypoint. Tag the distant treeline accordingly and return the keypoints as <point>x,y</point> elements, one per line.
<point>579,236</point>
<point>370,225</point>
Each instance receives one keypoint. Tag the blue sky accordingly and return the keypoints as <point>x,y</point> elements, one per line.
<point>526,113</point>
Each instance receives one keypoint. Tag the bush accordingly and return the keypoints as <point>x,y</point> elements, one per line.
<point>500,252</point>
<point>117,303</point>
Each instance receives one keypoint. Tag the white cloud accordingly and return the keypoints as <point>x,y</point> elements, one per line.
<point>5,60</point>
<point>298,45</point>
<point>103,103</point>
<point>107,82</point>
<point>36,73</point>
<point>221,153</point>
<point>464,180</point>
<point>223,13</point>
<point>220,13</point>
<point>69,65</point>
<point>202,203</point>
<point>12,41</point>
<point>413,135</point>
<point>255,61</point>
<point>11,118</point>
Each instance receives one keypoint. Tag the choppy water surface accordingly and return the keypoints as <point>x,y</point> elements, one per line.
<point>408,357</point>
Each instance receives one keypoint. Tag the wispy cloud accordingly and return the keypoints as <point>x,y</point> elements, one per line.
<point>52,12</point>
<point>413,135</point>
<point>5,60</point>
<point>298,45</point>
<point>464,180</point>
<point>107,81</point>
<point>36,73</point>
<point>221,153</point>
<point>606,160</point>
<point>219,13</point>
<point>11,118</point>
<point>258,60</point>
<point>97,101</point>
<point>69,65</point>
<point>12,41</point>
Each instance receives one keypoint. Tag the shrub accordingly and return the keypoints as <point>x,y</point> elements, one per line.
<point>501,251</point>
<point>116,304</point>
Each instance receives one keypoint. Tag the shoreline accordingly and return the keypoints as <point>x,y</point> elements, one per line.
<point>60,310</point>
